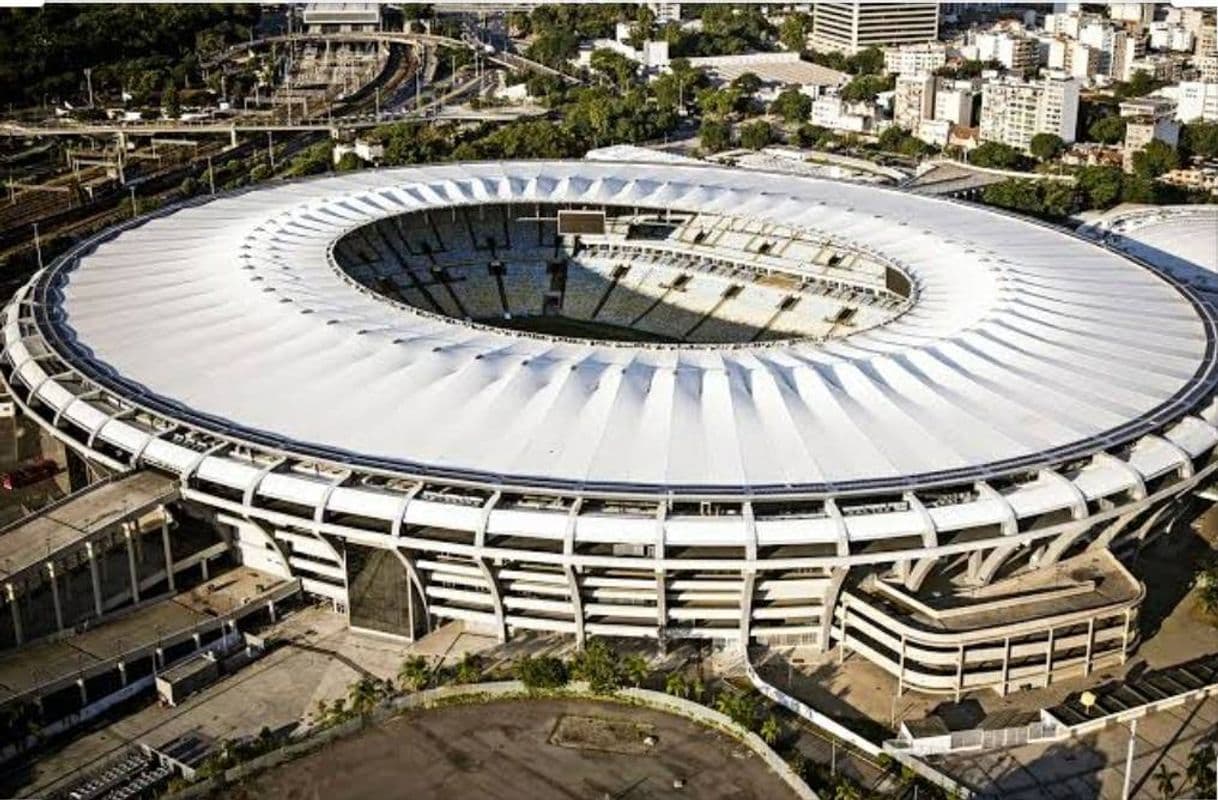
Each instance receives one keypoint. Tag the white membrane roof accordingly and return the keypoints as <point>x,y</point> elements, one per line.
<point>1025,344</point>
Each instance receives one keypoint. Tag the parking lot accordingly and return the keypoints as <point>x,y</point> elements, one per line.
<point>507,750</point>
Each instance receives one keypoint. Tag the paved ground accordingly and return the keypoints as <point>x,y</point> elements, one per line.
<point>319,660</point>
<point>504,750</point>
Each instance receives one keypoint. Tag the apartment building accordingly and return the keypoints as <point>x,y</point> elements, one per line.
<point>1017,52</point>
<point>1197,100</point>
<point>913,59</point>
<point>1013,111</point>
<point>913,100</point>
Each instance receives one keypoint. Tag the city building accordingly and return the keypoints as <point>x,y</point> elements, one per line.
<point>1013,111</point>
<point>913,100</point>
<point>830,111</point>
<point>914,59</point>
<point>1017,52</point>
<point>1171,36</point>
<point>957,101</point>
<point>342,17</point>
<point>853,26</point>
<point>1196,100</point>
<point>324,370</point>
<point>1148,119</point>
<point>1073,58</point>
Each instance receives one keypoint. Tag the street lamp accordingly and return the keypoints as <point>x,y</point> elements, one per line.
<point>134,210</point>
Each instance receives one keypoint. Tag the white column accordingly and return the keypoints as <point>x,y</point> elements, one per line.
<point>131,567</point>
<point>168,555</point>
<point>97,597</point>
<point>13,607</point>
<point>55,596</point>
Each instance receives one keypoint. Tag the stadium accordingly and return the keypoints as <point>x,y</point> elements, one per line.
<point>648,400</point>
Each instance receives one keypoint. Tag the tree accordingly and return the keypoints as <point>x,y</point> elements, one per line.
<point>739,706</point>
<point>364,694</point>
<point>1100,186</point>
<point>414,673</point>
<point>718,102</point>
<point>1165,779</point>
<point>1200,139</point>
<point>793,32</point>
<point>792,105</point>
<point>636,669</point>
<point>814,136</point>
<point>865,88</point>
<point>869,61</point>
<point>1200,770</point>
<point>348,163</point>
<point>1015,194</point>
<point>676,685</point>
<point>170,102</point>
<point>747,84</point>
<point>770,730</point>
<point>714,136</point>
<point>1058,198</point>
<point>613,65</point>
<point>598,665</point>
<point>995,155</point>
<point>1046,146</point>
<point>756,135</point>
<point>1107,130</point>
<point>1156,158</point>
<point>541,673</point>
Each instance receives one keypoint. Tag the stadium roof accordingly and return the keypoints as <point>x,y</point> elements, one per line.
<point>1026,344</point>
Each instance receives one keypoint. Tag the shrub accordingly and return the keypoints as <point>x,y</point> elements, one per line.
<point>541,672</point>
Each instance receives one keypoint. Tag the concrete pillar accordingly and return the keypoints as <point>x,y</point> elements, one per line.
<point>1125,635</point>
<point>1049,659</point>
<point>97,598</point>
<point>122,672</point>
<point>1006,664</point>
<point>84,694</point>
<point>270,608</point>
<point>206,570</point>
<point>158,658</point>
<point>901,669</point>
<point>55,595</point>
<point>232,136</point>
<point>198,639</point>
<point>131,567</point>
<point>18,632</point>
<point>959,671</point>
<point>1090,642</point>
<point>168,554</point>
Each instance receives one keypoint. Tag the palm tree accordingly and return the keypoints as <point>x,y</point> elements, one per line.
<point>364,695</point>
<point>636,668</point>
<point>676,685</point>
<point>770,730</point>
<point>414,673</point>
<point>1165,779</point>
<point>1200,770</point>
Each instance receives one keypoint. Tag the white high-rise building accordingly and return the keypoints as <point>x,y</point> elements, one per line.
<point>1197,100</point>
<point>851,27</point>
<point>1016,52</point>
<point>1013,111</point>
<point>913,100</point>
<point>1073,58</point>
<point>954,101</point>
<point>913,59</point>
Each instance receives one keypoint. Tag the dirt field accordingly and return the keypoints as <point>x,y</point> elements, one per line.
<point>504,750</point>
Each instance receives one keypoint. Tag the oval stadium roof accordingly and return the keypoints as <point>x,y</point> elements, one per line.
<point>1026,344</point>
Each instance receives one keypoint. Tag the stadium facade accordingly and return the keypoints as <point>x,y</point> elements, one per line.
<point>649,400</point>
